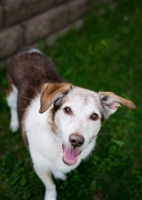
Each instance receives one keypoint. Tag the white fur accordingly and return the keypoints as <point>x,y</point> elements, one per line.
<point>12,103</point>
<point>34,51</point>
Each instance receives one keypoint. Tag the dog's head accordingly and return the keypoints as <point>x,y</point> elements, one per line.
<point>77,114</point>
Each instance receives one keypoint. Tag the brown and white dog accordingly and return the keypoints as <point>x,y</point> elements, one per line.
<point>59,122</point>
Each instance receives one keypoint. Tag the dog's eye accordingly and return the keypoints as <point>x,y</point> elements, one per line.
<point>68,110</point>
<point>94,117</point>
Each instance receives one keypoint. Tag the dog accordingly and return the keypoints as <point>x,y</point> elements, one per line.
<point>59,121</point>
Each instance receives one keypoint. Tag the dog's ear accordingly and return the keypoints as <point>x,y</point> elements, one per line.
<point>50,92</point>
<point>110,103</point>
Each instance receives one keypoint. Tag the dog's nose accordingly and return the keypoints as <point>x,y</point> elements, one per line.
<point>76,140</point>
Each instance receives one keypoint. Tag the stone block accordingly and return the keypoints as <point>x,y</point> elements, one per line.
<point>18,10</point>
<point>61,18</point>
<point>11,40</point>
<point>92,3</point>
<point>108,1</point>
<point>52,38</point>
<point>1,17</point>
<point>60,1</point>
<point>44,24</point>
<point>77,8</point>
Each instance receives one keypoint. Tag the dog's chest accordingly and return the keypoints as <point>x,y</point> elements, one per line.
<point>46,151</point>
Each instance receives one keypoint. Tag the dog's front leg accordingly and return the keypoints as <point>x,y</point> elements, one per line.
<point>50,188</point>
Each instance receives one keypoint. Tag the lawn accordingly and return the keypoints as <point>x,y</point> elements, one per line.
<point>104,55</point>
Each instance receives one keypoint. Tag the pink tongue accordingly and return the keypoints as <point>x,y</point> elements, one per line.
<point>70,155</point>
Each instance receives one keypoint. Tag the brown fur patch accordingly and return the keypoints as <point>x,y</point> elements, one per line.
<point>122,101</point>
<point>50,91</point>
<point>49,175</point>
<point>9,85</point>
<point>28,72</point>
<point>51,121</point>
<point>24,137</point>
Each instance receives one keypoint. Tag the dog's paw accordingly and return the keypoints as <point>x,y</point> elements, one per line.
<point>60,176</point>
<point>14,127</point>
<point>63,177</point>
<point>50,195</point>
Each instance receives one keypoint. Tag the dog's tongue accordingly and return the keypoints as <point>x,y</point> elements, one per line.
<point>70,156</point>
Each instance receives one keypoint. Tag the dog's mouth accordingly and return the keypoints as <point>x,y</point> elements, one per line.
<point>70,155</point>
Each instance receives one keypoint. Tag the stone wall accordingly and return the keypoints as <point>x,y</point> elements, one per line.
<point>23,22</point>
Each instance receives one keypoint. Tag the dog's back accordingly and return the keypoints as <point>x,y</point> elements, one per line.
<point>26,74</point>
<point>32,68</point>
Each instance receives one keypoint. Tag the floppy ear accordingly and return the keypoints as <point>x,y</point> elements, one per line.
<point>50,92</point>
<point>111,102</point>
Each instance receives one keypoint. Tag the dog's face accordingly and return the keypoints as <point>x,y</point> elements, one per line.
<point>77,115</point>
<point>78,120</point>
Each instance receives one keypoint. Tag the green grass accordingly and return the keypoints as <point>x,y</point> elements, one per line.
<point>106,54</point>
